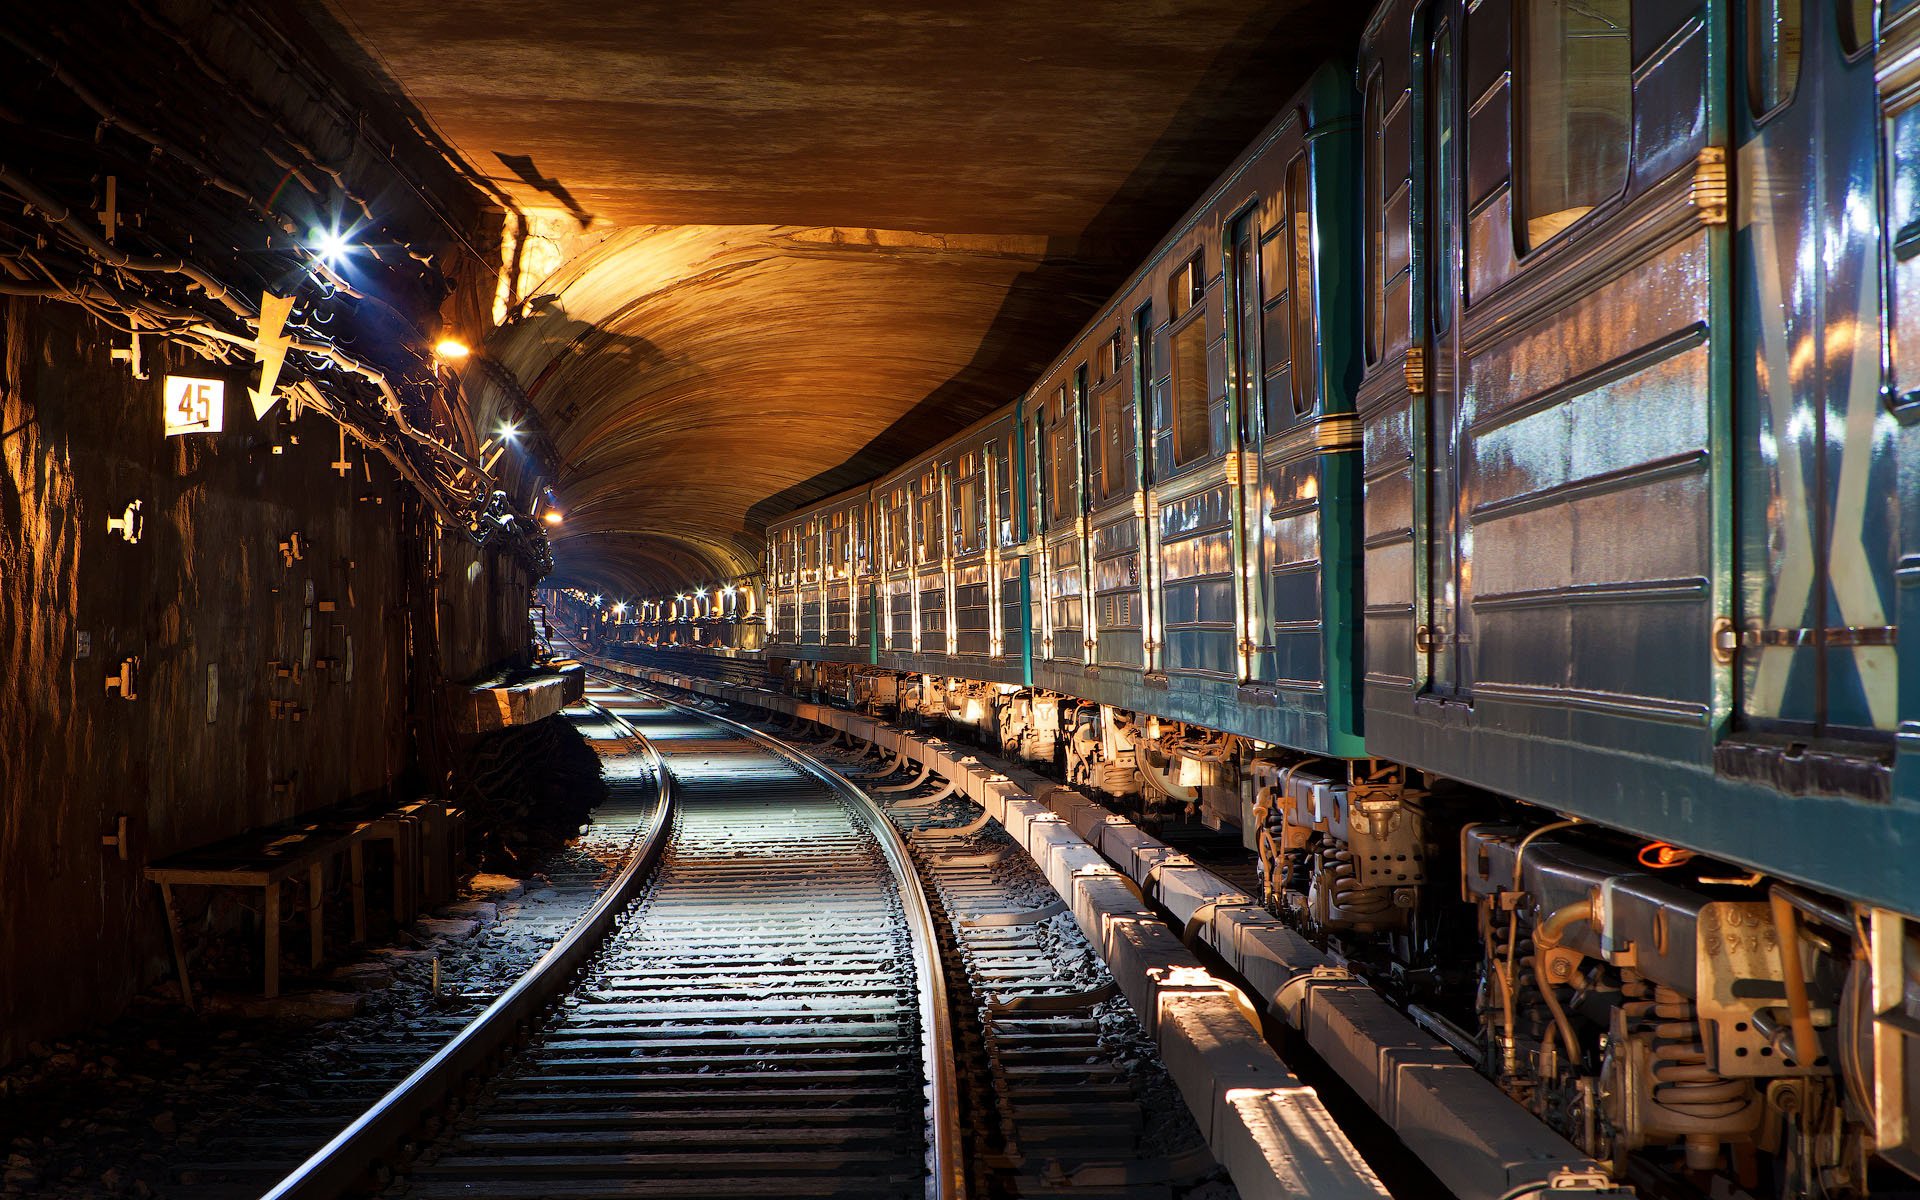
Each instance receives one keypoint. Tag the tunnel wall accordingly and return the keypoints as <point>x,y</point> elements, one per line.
<point>207,588</point>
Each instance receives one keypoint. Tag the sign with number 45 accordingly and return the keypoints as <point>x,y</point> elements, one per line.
<point>194,405</point>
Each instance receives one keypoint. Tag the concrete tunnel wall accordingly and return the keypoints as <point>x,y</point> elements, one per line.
<point>206,594</point>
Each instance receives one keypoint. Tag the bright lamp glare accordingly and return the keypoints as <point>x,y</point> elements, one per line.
<point>508,431</point>
<point>451,348</point>
<point>331,245</point>
<point>552,517</point>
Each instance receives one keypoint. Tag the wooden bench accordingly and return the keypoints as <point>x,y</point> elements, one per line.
<point>423,836</point>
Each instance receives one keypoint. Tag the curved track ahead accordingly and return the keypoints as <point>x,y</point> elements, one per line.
<point>766,1018</point>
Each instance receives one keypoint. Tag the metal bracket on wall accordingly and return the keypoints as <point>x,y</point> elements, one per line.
<point>130,524</point>
<point>118,838</point>
<point>126,679</point>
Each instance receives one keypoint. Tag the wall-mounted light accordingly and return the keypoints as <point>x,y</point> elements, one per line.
<point>552,516</point>
<point>451,349</point>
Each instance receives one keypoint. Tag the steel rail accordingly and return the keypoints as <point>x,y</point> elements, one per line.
<point>351,1156</point>
<point>946,1160</point>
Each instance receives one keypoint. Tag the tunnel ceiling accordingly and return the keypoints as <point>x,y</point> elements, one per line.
<point>783,246</point>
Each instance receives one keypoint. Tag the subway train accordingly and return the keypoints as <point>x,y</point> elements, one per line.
<point>1496,499</point>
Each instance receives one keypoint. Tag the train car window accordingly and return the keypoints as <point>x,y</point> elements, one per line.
<point>1576,110</point>
<point>1063,500</point>
<point>1003,489</point>
<point>1111,450</point>
<point>1856,25</point>
<point>1773,53</point>
<point>899,537</point>
<point>969,515</point>
<point>930,526</point>
<point>1374,171</point>
<point>1300,256</point>
<point>1188,344</point>
<point>1114,354</point>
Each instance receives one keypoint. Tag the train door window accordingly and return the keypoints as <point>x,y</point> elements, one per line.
<point>1374,172</point>
<point>1063,485</point>
<point>1856,25</point>
<point>1188,343</point>
<point>1143,375</point>
<point>1773,53</point>
<point>1576,109</point>
<point>1300,285</point>
<point>1440,217</point>
<point>1036,471</point>
<point>1901,196</point>
<point>1243,314</point>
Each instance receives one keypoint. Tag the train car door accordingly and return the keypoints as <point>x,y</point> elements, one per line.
<point>1445,618</point>
<point>1816,491</point>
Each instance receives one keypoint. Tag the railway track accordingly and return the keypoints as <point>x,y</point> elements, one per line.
<point>762,1014</point>
<point>1063,1091</point>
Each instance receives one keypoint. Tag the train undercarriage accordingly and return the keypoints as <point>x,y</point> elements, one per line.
<point>1707,1030</point>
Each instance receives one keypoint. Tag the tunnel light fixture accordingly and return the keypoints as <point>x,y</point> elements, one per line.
<point>509,431</point>
<point>331,245</point>
<point>552,516</point>
<point>451,349</point>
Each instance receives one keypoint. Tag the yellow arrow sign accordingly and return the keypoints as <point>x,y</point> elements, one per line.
<point>270,349</point>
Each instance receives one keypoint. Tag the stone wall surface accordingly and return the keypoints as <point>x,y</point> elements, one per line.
<point>266,686</point>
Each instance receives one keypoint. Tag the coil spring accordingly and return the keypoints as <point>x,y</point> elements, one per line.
<point>1695,1098</point>
<point>1349,895</point>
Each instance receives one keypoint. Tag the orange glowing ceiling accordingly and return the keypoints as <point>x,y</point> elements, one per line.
<point>788,244</point>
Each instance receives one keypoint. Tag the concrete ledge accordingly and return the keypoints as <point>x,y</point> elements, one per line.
<point>519,699</point>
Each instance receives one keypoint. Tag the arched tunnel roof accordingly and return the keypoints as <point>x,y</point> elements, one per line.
<point>777,248</point>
